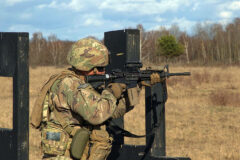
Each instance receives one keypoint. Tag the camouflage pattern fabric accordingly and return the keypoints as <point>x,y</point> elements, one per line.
<point>88,53</point>
<point>58,158</point>
<point>78,102</point>
<point>101,144</point>
<point>54,139</point>
<point>122,108</point>
<point>74,95</point>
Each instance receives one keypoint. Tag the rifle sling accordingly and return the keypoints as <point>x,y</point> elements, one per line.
<point>118,130</point>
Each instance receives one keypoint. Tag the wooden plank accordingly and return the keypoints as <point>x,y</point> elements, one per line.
<point>14,63</point>
<point>21,98</point>
<point>155,119</point>
<point>7,146</point>
<point>8,48</point>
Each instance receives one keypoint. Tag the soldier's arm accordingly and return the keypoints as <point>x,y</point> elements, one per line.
<point>93,107</point>
<point>127,102</point>
<point>122,108</point>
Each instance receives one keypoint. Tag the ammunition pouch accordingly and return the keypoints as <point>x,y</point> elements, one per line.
<point>54,139</point>
<point>79,142</point>
<point>101,144</point>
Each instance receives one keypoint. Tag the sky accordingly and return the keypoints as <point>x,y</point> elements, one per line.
<point>76,19</point>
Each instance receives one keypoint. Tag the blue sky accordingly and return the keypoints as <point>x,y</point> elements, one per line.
<point>75,19</point>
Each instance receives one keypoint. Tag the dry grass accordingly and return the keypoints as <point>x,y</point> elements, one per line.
<point>225,98</point>
<point>202,112</point>
<point>6,96</point>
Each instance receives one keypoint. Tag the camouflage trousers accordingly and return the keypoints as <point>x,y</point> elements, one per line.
<point>98,148</point>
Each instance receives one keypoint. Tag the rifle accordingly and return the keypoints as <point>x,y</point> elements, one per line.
<point>132,75</point>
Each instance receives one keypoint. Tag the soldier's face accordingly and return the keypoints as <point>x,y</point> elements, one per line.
<point>98,70</point>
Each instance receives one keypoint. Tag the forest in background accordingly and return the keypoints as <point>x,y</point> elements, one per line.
<point>209,44</point>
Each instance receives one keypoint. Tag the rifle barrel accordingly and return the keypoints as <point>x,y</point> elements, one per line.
<point>179,74</point>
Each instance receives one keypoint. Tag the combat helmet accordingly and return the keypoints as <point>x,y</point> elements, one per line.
<point>88,53</point>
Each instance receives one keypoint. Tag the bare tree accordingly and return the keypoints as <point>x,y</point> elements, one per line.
<point>54,48</point>
<point>175,31</point>
<point>185,39</point>
<point>36,49</point>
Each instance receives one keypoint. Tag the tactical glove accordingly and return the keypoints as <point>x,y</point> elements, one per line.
<point>117,89</point>
<point>155,78</point>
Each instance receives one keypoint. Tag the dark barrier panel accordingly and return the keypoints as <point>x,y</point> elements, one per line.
<point>155,119</point>
<point>124,46</point>
<point>14,144</point>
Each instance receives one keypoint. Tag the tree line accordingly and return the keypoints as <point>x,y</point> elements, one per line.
<point>48,51</point>
<point>209,44</point>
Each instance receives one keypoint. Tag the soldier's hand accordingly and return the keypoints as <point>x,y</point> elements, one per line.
<point>155,78</point>
<point>117,89</point>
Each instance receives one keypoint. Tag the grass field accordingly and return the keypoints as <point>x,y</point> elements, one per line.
<point>202,112</point>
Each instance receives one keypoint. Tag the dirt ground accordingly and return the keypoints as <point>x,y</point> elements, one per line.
<point>202,112</point>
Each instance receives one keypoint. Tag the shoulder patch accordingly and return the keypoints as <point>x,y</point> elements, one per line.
<point>83,86</point>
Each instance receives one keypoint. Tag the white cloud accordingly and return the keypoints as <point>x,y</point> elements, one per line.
<point>226,11</point>
<point>97,20</point>
<point>195,6</point>
<point>213,1</point>
<point>234,5</point>
<point>225,14</point>
<point>95,17</point>
<point>224,22</point>
<point>25,16</point>
<point>159,19</point>
<point>13,2</point>
<point>54,4</point>
<point>23,28</point>
<point>183,23</point>
<point>229,6</point>
<point>159,27</point>
<point>75,5</point>
<point>93,20</point>
<point>144,6</point>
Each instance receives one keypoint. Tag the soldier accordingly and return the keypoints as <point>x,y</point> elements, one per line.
<point>73,112</point>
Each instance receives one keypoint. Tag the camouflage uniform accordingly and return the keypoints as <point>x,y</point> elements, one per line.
<point>81,106</point>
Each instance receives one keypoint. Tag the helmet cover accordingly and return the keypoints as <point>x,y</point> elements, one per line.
<point>88,53</point>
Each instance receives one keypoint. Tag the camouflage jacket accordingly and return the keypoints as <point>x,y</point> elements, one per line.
<point>80,102</point>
